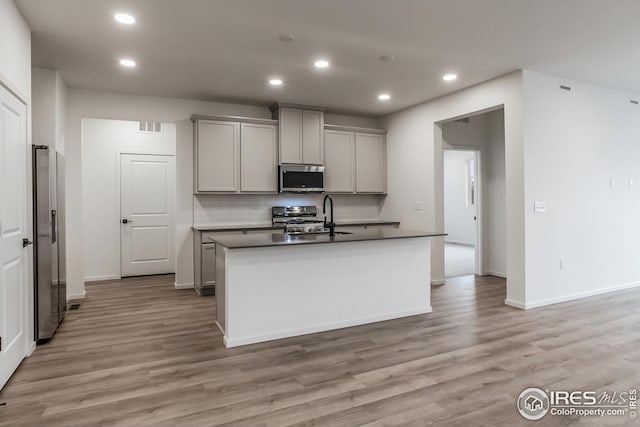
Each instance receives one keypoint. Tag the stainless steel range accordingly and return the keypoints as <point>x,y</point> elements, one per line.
<point>298,219</point>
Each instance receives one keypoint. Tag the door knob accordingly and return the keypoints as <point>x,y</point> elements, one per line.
<point>26,242</point>
<point>126,221</point>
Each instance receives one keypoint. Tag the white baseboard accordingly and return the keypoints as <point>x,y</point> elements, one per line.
<point>580,295</point>
<point>437,281</point>
<point>183,286</point>
<point>323,327</point>
<point>571,297</point>
<point>71,297</point>
<point>100,278</point>
<point>457,242</point>
<point>515,304</point>
<point>495,273</point>
<point>32,348</point>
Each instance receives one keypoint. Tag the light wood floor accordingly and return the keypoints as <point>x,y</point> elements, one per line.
<point>137,353</point>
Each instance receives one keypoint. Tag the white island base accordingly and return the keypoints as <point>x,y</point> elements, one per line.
<point>266,293</point>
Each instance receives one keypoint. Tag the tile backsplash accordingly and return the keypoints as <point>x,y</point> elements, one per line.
<point>235,209</point>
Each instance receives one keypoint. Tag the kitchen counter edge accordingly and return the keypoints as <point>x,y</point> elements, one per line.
<point>278,240</point>
<point>269,226</point>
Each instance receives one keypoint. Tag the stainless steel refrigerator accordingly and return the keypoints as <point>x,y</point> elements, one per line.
<point>50,288</point>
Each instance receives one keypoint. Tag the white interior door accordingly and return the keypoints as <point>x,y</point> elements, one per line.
<point>15,275</point>
<point>147,200</point>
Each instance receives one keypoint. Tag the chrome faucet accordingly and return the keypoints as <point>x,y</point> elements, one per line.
<point>331,225</point>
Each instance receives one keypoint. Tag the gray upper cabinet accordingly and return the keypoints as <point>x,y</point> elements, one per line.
<point>355,160</point>
<point>339,161</point>
<point>312,137</point>
<point>301,136</point>
<point>290,135</point>
<point>217,154</point>
<point>371,163</point>
<point>235,154</point>
<point>258,158</point>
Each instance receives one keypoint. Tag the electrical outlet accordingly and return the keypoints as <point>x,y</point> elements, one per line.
<point>630,183</point>
<point>539,207</point>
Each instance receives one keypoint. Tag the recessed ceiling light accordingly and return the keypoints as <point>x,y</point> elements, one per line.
<point>275,82</point>
<point>384,97</point>
<point>321,63</point>
<point>128,63</point>
<point>287,38</point>
<point>449,77</point>
<point>124,18</point>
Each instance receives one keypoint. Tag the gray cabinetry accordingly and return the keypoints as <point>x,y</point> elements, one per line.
<point>235,155</point>
<point>370,163</point>
<point>301,136</point>
<point>208,253</point>
<point>355,160</point>
<point>216,156</point>
<point>204,255</point>
<point>339,157</point>
<point>258,158</point>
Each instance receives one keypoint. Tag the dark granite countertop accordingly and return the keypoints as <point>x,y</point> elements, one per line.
<point>266,226</point>
<point>366,222</point>
<point>269,226</point>
<point>242,241</point>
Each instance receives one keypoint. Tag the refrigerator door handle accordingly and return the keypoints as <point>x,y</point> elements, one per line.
<point>54,226</point>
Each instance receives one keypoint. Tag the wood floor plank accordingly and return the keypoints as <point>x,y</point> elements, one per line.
<point>138,352</point>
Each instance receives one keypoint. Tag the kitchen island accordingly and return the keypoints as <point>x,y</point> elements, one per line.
<point>274,285</point>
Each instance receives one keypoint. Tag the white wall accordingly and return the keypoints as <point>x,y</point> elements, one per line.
<point>459,222</point>
<point>60,112</point>
<point>95,104</point>
<point>44,106</point>
<point>15,51</point>
<point>494,207</point>
<point>48,112</point>
<point>48,108</point>
<point>414,154</point>
<point>575,143</point>
<point>102,143</point>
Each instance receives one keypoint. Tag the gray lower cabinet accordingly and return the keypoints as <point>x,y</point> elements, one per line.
<point>204,257</point>
<point>208,251</point>
<point>356,228</point>
<point>204,264</point>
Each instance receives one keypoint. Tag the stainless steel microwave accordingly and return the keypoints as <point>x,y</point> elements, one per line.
<point>301,178</point>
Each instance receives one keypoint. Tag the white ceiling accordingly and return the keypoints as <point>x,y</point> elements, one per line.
<point>228,49</point>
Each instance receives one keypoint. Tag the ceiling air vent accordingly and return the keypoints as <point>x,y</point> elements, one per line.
<point>151,127</point>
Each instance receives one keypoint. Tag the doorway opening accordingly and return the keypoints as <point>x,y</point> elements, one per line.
<point>460,169</point>
<point>474,198</point>
<point>128,198</point>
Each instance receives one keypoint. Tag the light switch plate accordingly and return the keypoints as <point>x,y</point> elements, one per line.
<point>539,207</point>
